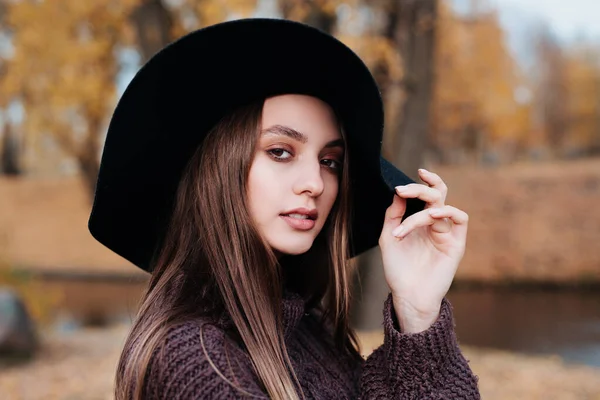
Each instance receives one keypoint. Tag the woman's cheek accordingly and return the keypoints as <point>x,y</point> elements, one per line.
<point>331,191</point>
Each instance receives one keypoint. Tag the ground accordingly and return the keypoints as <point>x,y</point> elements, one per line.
<point>80,366</point>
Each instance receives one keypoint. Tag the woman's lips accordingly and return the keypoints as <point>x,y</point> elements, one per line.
<point>299,223</point>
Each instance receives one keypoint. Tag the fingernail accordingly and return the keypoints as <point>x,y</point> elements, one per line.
<point>434,211</point>
<point>400,188</point>
<point>397,232</point>
<point>423,170</point>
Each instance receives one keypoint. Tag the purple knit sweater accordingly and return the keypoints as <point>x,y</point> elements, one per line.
<point>426,365</point>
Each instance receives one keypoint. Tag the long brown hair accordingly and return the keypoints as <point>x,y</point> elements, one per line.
<point>210,264</point>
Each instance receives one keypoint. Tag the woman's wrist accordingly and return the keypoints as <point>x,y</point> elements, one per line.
<point>410,319</point>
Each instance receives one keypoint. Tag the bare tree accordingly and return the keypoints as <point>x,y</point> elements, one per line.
<point>9,157</point>
<point>153,23</point>
<point>10,150</point>
<point>415,34</point>
<point>552,100</point>
<point>411,25</point>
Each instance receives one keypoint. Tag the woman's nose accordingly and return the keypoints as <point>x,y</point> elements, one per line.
<point>309,179</point>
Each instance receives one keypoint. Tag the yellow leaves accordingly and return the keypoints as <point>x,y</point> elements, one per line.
<point>476,78</point>
<point>210,12</point>
<point>300,10</point>
<point>477,81</point>
<point>582,83</point>
<point>64,62</point>
<point>244,8</point>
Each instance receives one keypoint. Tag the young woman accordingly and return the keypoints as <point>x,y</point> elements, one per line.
<point>242,169</point>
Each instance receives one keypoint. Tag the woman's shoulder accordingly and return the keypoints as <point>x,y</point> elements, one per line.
<point>190,326</point>
<point>194,355</point>
<point>183,342</point>
<point>197,338</point>
<point>194,332</point>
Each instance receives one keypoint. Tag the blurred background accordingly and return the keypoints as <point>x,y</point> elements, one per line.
<point>500,97</point>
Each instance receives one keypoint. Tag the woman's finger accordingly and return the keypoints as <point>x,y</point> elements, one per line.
<point>434,181</point>
<point>422,218</point>
<point>457,216</point>
<point>393,215</point>
<point>431,196</point>
<point>441,219</point>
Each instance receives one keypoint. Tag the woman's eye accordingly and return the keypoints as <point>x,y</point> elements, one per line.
<point>279,154</point>
<point>333,164</point>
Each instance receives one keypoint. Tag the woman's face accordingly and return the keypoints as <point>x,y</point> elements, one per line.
<point>296,170</point>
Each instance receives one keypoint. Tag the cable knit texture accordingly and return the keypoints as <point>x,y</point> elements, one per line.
<point>426,365</point>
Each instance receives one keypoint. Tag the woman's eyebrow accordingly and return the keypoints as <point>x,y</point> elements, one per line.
<point>298,136</point>
<point>286,131</point>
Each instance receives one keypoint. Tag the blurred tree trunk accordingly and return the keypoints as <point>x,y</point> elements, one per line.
<point>10,156</point>
<point>412,27</point>
<point>415,35</point>
<point>594,149</point>
<point>9,151</point>
<point>153,23</point>
<point>553,90</point>
<point>87,155</point>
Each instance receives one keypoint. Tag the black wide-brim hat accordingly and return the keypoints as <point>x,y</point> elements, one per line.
<point>187,87</point>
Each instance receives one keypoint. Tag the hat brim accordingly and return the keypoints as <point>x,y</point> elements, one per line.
<point>181,92</point>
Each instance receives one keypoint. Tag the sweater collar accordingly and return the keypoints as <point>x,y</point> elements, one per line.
<point>293,310</point>
<point>293,307</point>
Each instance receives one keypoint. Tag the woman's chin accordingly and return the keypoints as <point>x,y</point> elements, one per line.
<point>292,247</point>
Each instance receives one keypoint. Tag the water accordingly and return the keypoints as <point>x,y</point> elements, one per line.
<point>93,302</point>
<point>560,322</point>
<point>563,322</point>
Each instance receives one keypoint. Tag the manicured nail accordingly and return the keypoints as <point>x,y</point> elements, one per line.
<point>400,189</point>
<point>397,232</point>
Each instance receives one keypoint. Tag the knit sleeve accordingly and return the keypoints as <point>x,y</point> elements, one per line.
<point>424,365</point>
<point>180,370</point>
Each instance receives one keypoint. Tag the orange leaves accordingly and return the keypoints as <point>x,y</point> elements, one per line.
<point>64,64</point>
<point>476,81</point>
<point>480,88</point>
<point>210,12</point>
<point>64,51</point>
<point>64,69</point>
<point>568,97</point>
<point>582,82</point>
